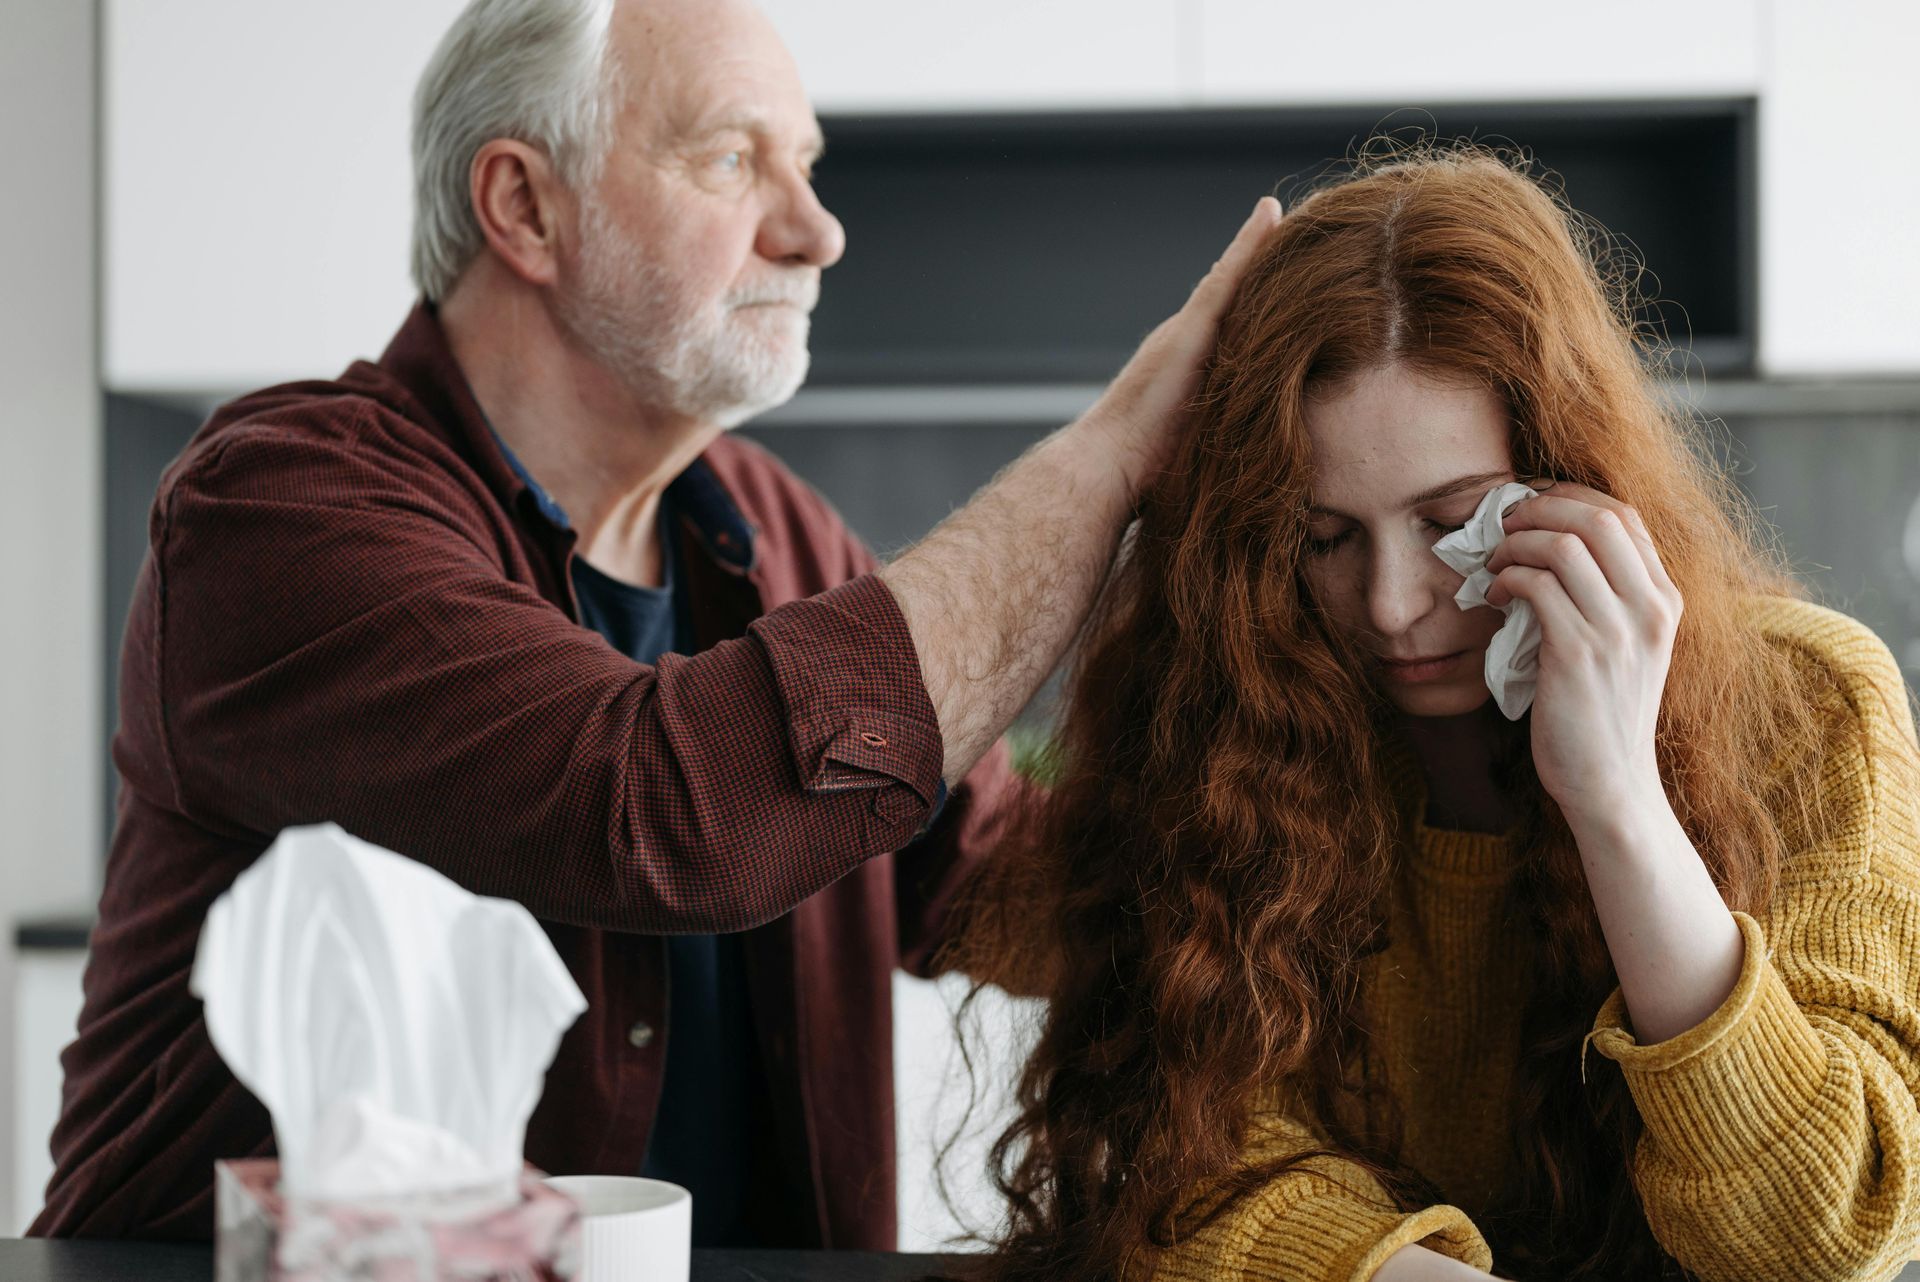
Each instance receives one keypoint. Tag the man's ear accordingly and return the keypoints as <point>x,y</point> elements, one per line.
<point>520,204</point>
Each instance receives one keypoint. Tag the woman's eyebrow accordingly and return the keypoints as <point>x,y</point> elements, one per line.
<point>1460,484</point>
<point>1444,490</point>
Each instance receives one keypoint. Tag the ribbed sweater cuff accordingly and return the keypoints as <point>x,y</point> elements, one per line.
<point>1732,1085</point>
<point>1336,1237</point>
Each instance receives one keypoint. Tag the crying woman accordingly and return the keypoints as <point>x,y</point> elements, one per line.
<point>1352,976</point>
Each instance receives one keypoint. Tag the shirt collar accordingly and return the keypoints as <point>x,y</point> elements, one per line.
<point>696,496</point>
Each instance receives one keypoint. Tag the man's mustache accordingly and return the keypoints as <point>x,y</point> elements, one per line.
<point>802,292</point>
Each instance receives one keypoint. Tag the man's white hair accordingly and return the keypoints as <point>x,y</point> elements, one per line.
<point>539,71</point>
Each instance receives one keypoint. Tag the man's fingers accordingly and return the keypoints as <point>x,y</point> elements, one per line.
<point>1215,290</point>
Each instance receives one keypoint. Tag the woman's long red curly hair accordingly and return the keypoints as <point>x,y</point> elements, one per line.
<point>1216,845</point>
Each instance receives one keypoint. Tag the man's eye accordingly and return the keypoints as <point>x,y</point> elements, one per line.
<point>1441,529</point>
<point>731,162</point>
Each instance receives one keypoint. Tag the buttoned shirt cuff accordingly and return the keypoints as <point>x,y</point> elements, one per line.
<point>1732,1086</point>
<point>858,713</point>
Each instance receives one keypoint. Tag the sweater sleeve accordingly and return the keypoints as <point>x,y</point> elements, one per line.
<point>1782,1135</point>
<point>1325,1220</point>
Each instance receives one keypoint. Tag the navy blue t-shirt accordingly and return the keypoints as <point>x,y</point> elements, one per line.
<point>703,1136</point>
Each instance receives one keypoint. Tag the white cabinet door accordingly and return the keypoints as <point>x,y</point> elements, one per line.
<point>257,194</point>
<point>939,1103</point>
<point>258,186</point>
<point>1839,190</point>
<point>1411,52</point>
<point>936,55</point>
<point>46,1010</point>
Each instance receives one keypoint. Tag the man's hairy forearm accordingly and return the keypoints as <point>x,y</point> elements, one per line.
<point>994,595</point>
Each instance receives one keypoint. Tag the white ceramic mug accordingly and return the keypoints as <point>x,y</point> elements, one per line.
<point>631,1229</point>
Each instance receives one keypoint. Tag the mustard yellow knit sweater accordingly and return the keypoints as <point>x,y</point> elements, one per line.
<point>1782,1134</point>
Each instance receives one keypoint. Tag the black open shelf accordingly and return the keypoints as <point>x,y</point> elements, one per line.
<point>1040,247</point>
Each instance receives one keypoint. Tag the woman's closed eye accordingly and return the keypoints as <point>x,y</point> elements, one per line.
<point>1322,545</point>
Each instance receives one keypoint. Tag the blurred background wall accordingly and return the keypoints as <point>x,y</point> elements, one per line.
<point>240,216</point>
<point>52,629</point>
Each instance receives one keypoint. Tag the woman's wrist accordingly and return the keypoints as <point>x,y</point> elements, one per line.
<point>1675,945</point>
<point>1626,816</point>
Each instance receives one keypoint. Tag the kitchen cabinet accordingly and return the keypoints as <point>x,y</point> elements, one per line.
<point>1414,51</point>
<point>258,194</point>
<point>990,55</point>
<point>258,186</point>
<point>46,1011</point>
<point>1839,184</point>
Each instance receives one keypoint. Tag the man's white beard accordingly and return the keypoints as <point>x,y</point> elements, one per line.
<point>709,364</point>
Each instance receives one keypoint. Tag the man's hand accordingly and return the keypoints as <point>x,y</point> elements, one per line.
<point>996,592</point>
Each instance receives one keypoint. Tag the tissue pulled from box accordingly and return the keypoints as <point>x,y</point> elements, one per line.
<point>1513,655</point>
<point>397,1027</point>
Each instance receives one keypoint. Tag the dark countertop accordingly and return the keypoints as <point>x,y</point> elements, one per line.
<point>42,1260</point>
<point>53,934</point>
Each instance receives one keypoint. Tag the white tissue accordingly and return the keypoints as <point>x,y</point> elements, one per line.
<point>397,1027</point>
<point>1513,656</point>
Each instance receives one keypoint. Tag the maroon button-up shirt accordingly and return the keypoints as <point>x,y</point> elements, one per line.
<point>353,611</point>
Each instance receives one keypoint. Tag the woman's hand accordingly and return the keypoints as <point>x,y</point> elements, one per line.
<point>1608,614</point>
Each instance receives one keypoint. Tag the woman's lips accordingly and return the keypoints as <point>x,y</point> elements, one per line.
<point>1414,671</point>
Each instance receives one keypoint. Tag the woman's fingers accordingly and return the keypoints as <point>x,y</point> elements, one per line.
<point>1636,527</point>
<point>1613,534</point>
<point>1561,622</point>
<point>1565,555</point>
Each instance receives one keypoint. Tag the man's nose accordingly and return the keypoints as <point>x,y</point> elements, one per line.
<point>1402,589</point>
<point>799,231</point>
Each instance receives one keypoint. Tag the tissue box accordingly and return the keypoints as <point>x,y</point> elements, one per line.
<point>264,1236</point>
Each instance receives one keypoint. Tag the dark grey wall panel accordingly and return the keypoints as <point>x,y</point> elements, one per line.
<point>141,439</point>
<point>1040,247</point>
<point>1844,492</point>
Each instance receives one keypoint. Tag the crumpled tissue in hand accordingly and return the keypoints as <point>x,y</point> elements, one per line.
<point>1513,656</point>
<point>397,1027</point>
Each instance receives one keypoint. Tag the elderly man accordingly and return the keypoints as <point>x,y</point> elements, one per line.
<point>509,602</point>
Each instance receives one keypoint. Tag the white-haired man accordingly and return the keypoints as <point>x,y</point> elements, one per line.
<point>509,601</point>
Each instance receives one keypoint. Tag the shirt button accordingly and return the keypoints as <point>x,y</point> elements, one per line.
<point>640,1036</point>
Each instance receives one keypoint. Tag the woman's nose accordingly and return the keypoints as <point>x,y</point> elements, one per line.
<point>1403,587</point>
